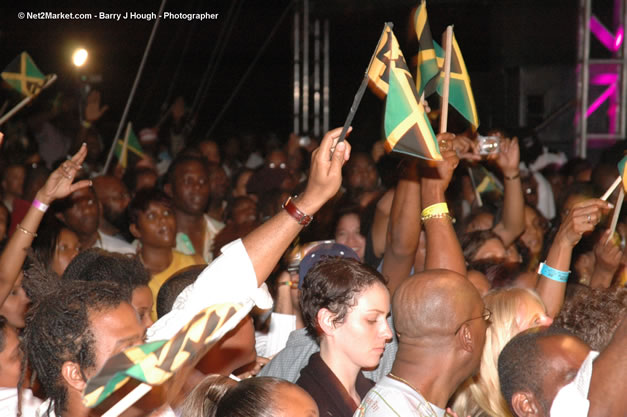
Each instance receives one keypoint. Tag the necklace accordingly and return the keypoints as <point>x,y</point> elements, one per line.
<point>429,409</point>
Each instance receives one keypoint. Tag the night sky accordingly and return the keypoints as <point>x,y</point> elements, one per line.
<point>494,35</point>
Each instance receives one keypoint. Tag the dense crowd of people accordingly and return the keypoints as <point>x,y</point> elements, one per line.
<point>378,285</point>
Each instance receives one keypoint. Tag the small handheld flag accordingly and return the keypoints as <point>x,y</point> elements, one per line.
<point>407,127</point>
<point>23,75</point>
<point>460,91</point>
<point>130,143</point>
<point>430,55</point>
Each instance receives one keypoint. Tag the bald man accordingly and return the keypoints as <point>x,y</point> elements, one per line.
<point>440,322</point>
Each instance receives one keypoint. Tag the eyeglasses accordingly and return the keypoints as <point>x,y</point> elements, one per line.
<point>486,316</point>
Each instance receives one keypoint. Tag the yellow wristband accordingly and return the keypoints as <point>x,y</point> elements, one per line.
<point>437,209</point>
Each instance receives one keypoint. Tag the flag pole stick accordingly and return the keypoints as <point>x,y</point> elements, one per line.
<point>448,42</point>
<point>612,188</point>
<point>124,153</point>
<point>128,400</point>
<point>134,88</point>
<point>360,91</point>
<point>617,207</point>
<point>26,100</point>
<point>354,107</point>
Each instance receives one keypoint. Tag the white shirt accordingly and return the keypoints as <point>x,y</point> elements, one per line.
<point>270,343</point>
<point>8,403</point>
<point>229,278</point>
<point>113,244</point>
<point>572,399</point>
<point>395,398</point>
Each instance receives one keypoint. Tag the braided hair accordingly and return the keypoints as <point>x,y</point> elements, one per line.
<point>58,330</point>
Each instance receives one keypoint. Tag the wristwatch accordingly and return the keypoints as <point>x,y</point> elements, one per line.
<point>302,218</point>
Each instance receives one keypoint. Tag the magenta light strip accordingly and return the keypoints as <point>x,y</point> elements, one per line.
<point>610,41</point>
<point>604,79</point>
<point>594,106</point>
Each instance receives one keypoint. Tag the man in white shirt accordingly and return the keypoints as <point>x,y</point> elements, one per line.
<point>80,211</point>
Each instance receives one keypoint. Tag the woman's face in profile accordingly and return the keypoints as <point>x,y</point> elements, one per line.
<point>363,334</point>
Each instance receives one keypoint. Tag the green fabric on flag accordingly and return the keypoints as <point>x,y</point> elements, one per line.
<point>23,75</point>
<point>430,54</point>
<point>406,124</point>
<point>460,91</point>
<point>133,145</point>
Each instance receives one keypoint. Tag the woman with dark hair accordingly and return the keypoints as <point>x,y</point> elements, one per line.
<point>351,229</point>
<point>55,245</point>
<point>219,396</point>
<point>345,305</point>
<point>153,223</point>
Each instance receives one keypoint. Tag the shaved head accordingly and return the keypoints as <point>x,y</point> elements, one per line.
<point>434,303</point>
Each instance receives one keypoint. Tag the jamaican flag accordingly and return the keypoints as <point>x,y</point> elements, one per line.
<point>486,181</point>
<point>460,92</point>
<point>23,75</point>
<point>129,143</point>
<point>379,68</point>
<point>407,127</point>
<point>622,171</point>
<point>430,54</point>
<point>154,363</point>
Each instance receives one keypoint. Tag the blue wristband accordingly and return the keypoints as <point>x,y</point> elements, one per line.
<point>552,273</point>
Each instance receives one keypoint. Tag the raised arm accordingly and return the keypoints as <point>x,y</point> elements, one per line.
<point>379,228</point>
<point>513,222</point>
<point>443,248</point>
<point>583,217</point>
<point>265,245</point>
<point>607,255</point>
<point>608,384</point>
<point>403,228</point>
<point>58,185</point>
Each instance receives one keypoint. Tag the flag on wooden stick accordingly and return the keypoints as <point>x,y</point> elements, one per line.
<point>430,58</point>
<point>23,75</point>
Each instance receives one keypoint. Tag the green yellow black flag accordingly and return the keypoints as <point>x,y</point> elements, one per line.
<point>407,128</point>
<point>460,91</point>
<point>130,143</point>
<point>23,75</point>
<point>430,55</point>
<point>154,363</point>
<point>379,69</point>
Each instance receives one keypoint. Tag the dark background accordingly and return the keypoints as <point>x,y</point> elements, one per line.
<point>497,38</point>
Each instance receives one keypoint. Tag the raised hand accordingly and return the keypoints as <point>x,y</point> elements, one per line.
<point>462,145</point>
<point>508,157</point>
<point>59,183</point>
<point>325,176</point>
<point>439,173</point>
<point>582,218</point>
<point>93,109</point>
<point>607,260</point>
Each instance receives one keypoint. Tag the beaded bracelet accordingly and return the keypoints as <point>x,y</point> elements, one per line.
<point>437,210</point>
